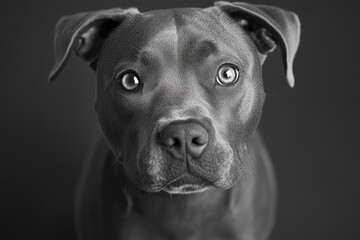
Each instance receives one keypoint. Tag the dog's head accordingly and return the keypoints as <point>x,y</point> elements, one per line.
<point>179,91</point>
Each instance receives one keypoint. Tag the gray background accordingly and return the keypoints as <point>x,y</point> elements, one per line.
<point>312,131</point>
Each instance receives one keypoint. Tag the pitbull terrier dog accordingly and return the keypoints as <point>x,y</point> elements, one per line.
<point>179,97</point>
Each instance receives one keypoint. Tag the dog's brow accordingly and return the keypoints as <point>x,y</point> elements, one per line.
<point>204,48</point>
<point>146,57</point>
<point>207,47</point>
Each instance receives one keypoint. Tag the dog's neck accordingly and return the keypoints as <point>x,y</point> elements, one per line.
<point>165,211</point>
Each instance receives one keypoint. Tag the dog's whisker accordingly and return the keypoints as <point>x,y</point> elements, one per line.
<point>135,48</point>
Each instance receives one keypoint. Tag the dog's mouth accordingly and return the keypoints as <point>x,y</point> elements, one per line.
<point>186,184</point>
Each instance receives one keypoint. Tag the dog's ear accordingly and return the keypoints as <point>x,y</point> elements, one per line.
<point>85,33</point>
<point>268,26</point>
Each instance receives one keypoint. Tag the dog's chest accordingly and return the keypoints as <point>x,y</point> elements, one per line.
<point>136,227</point>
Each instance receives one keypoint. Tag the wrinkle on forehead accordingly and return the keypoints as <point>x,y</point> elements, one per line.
<point>163,46</point>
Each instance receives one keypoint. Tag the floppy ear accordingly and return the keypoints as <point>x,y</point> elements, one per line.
<point>268,26</point>
<point>85,33</point>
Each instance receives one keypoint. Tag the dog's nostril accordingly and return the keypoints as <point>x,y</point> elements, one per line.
<point>171,142</point>
<point>198,141</point>
<point>175,142</point>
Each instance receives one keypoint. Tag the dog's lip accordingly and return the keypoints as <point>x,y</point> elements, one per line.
<point>186,183</point>
<point>186,189</point>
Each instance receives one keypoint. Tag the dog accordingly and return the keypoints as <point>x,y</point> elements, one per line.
<point>179,97</point>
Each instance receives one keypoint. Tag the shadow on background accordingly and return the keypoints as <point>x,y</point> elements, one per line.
<point>312,131</point>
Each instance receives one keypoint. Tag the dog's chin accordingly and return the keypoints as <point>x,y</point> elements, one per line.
<point>185,189</point>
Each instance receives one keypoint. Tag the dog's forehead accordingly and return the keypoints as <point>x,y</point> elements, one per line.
<point>193,27</point>
<point>180,19</point>
<point>194,31</point>
<point>176,37</point>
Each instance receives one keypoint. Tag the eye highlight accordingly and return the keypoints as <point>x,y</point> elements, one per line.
<point>227,74</point>
<point>129,80</point>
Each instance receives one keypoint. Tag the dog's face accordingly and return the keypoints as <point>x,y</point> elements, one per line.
<point>167,68</point>
<point>179,91</point>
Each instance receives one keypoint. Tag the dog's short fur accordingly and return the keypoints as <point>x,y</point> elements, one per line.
<point>179,157</point>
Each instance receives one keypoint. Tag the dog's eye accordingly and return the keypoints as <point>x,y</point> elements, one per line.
<point>129,81</point>
<point>227,75</point>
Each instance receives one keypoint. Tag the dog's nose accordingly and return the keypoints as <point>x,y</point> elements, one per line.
<point>180,139</point>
